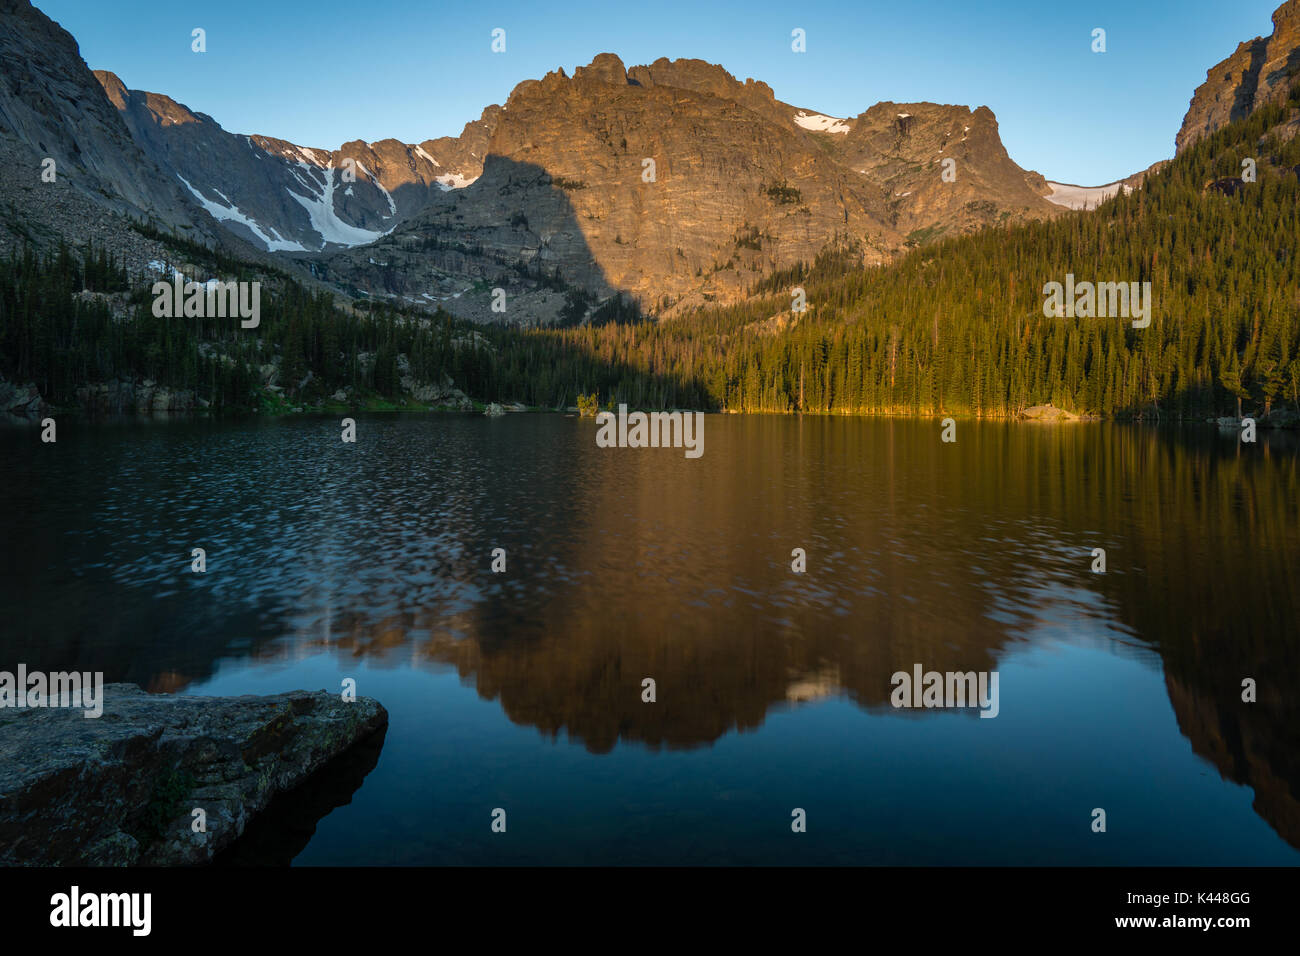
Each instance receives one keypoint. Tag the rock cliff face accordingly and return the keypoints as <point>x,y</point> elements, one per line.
<point>1259,72</point>
<point>903,148</point>
<point>679,185</point>
<point>52,108</point>
<point>120,789</point>
<point>559,181</point>
<point>673,183</point>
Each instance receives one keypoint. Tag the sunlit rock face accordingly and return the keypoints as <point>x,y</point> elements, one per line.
<point>1260,71</point>
<point>672,183</point>
<point>680,185</point>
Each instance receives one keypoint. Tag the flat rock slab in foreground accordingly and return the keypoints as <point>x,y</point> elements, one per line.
<point>121,789</point>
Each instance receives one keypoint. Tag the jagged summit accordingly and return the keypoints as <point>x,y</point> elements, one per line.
<point>1260,71</point>
<point>605,68</point>
<point>673,182</point>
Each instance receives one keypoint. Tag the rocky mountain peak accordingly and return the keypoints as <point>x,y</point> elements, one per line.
<point>164,110</point>
<point>688,74</point>
<point>114,88</point>
<point>676,184</point>
<point>605,68</point>
<point>673,183</point>
<point>1260,71</point>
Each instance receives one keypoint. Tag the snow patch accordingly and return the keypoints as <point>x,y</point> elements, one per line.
<point>326,222</point>
<point>419,151</point>
<point>231,213</point>
<point>451,181</point>
<point>1083,197</point>
<point>820,124</point>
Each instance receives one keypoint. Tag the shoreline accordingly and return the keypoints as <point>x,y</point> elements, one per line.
<point>1283,420</point>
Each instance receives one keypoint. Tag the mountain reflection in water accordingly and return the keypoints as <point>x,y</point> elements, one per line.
<point>624,564</point>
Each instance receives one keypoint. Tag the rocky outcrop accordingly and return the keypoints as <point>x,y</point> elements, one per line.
<point>122,397</point>
<point>442,394</point>
<point>904,146</point>
<point>121,789</point>
<point>1259,72</point>
<point>1048,413</point>
<point>21,404</point>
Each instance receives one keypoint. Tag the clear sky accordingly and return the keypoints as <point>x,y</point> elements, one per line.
<point>323,72</point>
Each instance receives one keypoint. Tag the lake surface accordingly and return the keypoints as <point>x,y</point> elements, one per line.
<point>523,690</point>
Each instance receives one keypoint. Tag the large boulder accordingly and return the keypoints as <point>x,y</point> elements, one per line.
<point>1048,413</point>
<point>20,403</point>
<point>121,789</point>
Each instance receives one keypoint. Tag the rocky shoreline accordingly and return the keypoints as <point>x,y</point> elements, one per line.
<point>123,789</point>
<point>23,404</point>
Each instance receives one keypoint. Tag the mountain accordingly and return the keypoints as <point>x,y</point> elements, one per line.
<point>746,190</point>
<point>287,198</point>
<point>672,184</point>
<point>52,109</point>
<point>1259,72</point>
<point>556,185</point>
<point>742,185</point>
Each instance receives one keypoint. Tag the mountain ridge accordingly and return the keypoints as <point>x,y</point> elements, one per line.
<point>871,182</point>
<point>672,184</point>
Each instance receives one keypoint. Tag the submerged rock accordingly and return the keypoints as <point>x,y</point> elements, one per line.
<point>122,789</point>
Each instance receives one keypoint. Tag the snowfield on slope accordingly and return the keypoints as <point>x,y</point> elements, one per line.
<point>326,222</point>
<point>821,124</point>
<point>1083,197</point>
<point>231,213</point>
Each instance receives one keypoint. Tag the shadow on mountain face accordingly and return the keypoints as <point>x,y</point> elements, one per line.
<point>514,228</point>
<point>1243,103</point>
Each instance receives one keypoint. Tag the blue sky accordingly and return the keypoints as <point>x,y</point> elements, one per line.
<point>323,72</point>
